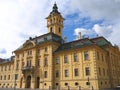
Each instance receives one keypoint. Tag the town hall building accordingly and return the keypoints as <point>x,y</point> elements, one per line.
<point>47,61</point>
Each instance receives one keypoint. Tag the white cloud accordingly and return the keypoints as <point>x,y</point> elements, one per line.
<point>105,31</point>
<point>107,10</point>
<point>84,32</point>
<point>20,19</point>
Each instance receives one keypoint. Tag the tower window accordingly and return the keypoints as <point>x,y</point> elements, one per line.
<point>59,21</point>
<point>46,61</point>
<point>51,21</point>
<point>59,30</point>
<point>51,29</point>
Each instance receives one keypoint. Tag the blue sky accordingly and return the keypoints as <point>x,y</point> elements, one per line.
<point>21,19</point>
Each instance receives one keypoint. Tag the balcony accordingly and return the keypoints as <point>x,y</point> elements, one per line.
<point>28,69</point>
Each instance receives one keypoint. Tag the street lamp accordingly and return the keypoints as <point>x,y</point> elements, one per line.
<point>15,77</point>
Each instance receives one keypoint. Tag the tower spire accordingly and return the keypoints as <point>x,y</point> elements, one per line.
<point>55,21</point>
<point>55,9</point>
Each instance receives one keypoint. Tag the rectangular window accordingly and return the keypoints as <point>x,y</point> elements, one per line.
<point>86,55</point>
<point>5,77</point>
<point>76,73</point>
<point>5,68</point>
<point>9,67</point>
<point>1,77</point>
<point>1,68</point>
<point>8,77</point>
<point>17,56</point>
<point>57,73</point>
<point>23,64</point>
<point>103,71</point>
<point>45,74</point>
<point>99,71</point>
<point>30,52</point>
<point>75,57</point>
<point>46,49</point>
<point>57,60</point>
<point>38,51</point>
<point>65,59</point>
<point>66,73</point>
<point>87,71</point>
<point>29,64</point>
<point>16,76</point>
<point>102,57</point>
<point>17,66</point>
<point>23,55</point>
<point>98,56</point>
<point>46,61</point>
<point>38,62</point>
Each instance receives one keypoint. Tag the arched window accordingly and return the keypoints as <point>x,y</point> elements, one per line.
<point>8,77</point>
<point>59,30</point>
<point>51,29</point>
<point>50,20</point>
<point>54,19</point>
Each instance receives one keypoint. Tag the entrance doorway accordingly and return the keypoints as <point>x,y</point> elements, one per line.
<point>38,82</point>
<point>28,82</point>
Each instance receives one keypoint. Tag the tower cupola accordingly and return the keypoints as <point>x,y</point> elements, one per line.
<point>55,21</point>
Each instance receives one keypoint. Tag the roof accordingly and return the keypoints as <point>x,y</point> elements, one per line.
<point>55,9</point>
<point>43,38</point>
<point>1,60</point>
<point>54,12</point>
<point>75,44</point>
<point>4,61</point>
<point>99,41</point>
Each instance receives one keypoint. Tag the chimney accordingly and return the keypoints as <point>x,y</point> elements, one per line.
<point>65,39</point>
<point>79,36</point>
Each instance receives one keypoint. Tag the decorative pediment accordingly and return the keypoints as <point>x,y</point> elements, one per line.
<point>28,44</point>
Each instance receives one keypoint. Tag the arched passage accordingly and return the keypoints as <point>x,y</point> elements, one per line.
<point>28,82</point>
<point>37,82</point>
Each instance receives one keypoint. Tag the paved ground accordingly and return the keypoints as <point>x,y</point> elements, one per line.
<point>16,89</point>
<point>44,89</point>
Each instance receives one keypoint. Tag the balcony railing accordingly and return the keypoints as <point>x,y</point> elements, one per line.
<point>28,69</point>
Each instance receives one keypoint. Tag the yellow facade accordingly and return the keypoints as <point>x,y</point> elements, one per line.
<point>47,61</point>
<point>7,74</point>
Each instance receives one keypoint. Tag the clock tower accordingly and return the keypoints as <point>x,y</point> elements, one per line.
<point>55,21</point>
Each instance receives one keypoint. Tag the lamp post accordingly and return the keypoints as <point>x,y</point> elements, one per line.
<point>88,82</point>
<point>15,81</point>
<point>14,75</point>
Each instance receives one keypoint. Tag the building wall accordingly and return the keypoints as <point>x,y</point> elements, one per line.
<point>104,66</point>
<point>6,74</point>
<point>95,78</point>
